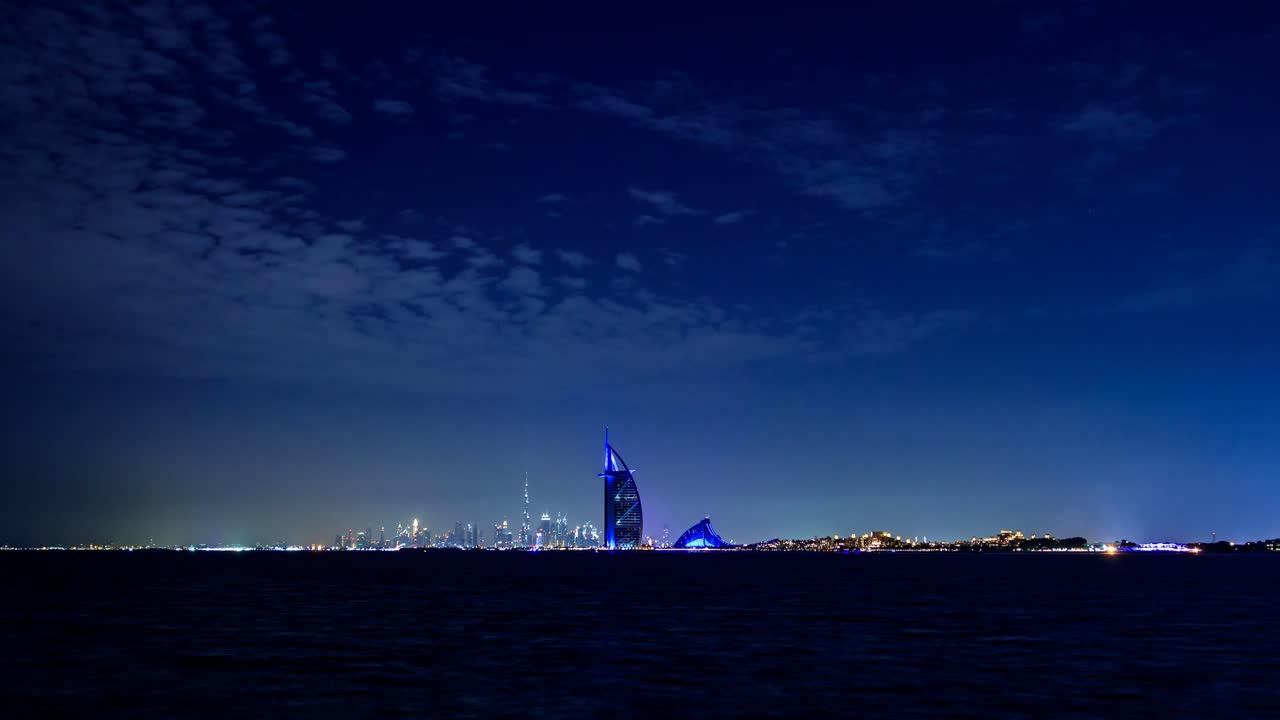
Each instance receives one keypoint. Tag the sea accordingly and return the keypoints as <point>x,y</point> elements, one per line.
<point>643,635</point>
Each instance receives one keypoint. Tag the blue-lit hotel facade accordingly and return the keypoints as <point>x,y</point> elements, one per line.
<point>623,516</point>
<point>700,536</point>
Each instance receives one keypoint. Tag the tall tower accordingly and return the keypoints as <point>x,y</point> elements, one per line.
<point>623,516</point>
<point>524,529</point>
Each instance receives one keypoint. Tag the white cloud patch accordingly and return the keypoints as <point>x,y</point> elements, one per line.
<point>628,262</point>
<point>573,259</point>
<point>665,203</point>
<point>421,250</point>
<point>524,280</point>
<point>527,255</point>
<point>731,218</point>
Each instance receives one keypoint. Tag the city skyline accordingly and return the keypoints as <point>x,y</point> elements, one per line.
<point>272,269</point>
<point>413,534</point>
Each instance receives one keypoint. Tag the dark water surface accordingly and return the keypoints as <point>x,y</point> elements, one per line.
<point>641,635</point>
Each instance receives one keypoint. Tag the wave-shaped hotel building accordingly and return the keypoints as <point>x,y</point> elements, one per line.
<point>701,535</point>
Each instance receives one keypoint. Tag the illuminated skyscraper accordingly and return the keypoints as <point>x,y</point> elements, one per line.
<point>587,535</point>
<point>526,539</point>
<point>623,516</point>
<point>560,531</point>
<point>502,535</point>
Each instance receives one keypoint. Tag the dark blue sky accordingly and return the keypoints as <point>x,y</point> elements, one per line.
<point>274,271</point>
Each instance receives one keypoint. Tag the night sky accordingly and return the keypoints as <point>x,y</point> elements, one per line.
<point>275,271</point>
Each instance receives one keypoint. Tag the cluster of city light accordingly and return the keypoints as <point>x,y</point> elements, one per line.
<point>584,537</point>
<point>885,541</point>
<point>1162,547</point>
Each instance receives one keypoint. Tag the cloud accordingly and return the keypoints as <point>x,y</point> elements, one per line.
<point>484,258</point>
<point>629,262</point>
<point>552,199</point>
<point>870,165</point>
<point>527,255</point>
<point>161,250</point>
<point>392,108</point>
<point>321,96</point>
<point>877,332</point>
<point>664,202</point>
<point>523,280</point>
<point>1198,279</point>
<point>575,260</point>
<point>334,280</point>
<point>459,79</point>
<point>731,218</point>
<point>942,245</point>
<point>864,159</point>
<point>853,191</point>
<point>937,249</point>
<point>1108,124</point>
<point>419,249</point>
<point>644,220</point>
<point>322,153</point>
<point>714,126</point>
<point>267,39</point>
<point>600,100</point>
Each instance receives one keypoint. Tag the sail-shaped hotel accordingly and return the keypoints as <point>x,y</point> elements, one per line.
<point>623,516</point>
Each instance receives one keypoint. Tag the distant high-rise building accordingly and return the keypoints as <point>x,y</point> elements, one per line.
<point>560,531</point>
<point>623,516</point>
<point>587,536</point>
<point>501,535</point>
<point>525,530</point>
<point>337,541</point>
<point>544,530</point>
